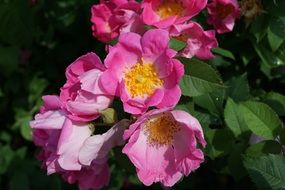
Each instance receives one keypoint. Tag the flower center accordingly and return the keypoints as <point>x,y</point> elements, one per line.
<point>161,130</point>
<point>224,10</point>
<point>170,8</point>
<point>142,79</point>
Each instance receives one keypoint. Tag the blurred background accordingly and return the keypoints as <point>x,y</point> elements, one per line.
<point>39,38</point>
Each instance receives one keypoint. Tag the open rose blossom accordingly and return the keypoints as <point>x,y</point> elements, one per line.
<point>143,72</point>
<point>81,95</point>
<point>61,140</point>
<point>164,13</point>
<point>198,42</point>
<point>110,18</point>
<point>163,146</point>
<point>222,14</point>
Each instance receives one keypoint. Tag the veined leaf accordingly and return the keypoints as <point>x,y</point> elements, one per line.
<point>260,119</point>
<point>267,172</point>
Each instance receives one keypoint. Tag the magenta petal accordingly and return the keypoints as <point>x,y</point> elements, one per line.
<point>51,102</point>
<point>83,64</point>
<point>170,98</point>
<point>156,98</point>
<point>154,43</point>
<point>109,83</point>
<point>135,46</point>
<point>134,107</point>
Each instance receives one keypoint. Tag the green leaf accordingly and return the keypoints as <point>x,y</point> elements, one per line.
<point>274,40</point>
<point>25,129</point>
<point>260,119</point>
<point>263,148</point>
<point>267,172</point>
<point>234,118</point>
<point>238,88</point>
<point>22,119</point>
<point>177,45</point>
<point>259,27</point>
<point>276,101</point>
<point>277,26</point>
<point>203,118</point>
<point>224,53</point>
<point>219,142</point>
<point>200,78</point>
<point>185,104</point>
<point>235,160</point>
<point>36,88</point>
<point>213,102</point>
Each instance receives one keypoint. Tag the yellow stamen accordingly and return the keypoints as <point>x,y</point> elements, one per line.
<point>142,79</point>
<point>161,129</point>
<point>170,8</point>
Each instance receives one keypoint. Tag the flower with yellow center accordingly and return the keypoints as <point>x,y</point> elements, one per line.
<point>142,79</point>
<point>161,130</point>
<point>170,8</point>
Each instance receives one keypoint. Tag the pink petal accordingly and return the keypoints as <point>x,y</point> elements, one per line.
<point>154,43</point>
<point>191,122</point>
<point>48,120</point>
<point>69,144</point>
<point>97,147</point>
<point>170,98</point>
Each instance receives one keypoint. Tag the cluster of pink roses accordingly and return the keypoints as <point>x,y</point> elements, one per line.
<point>142,71</point>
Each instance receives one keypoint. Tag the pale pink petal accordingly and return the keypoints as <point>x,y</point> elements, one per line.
<point>69,144</point>
<point>97,147</point>
<point>191,122</point>
<point>48,120</point>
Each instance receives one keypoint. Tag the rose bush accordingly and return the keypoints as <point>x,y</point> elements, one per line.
<point>156,94</point>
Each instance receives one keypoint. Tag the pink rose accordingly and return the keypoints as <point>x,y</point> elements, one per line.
<point>82,95</point>
<point>68,147</point>
<point>143,73</point>
<point>110,18</point>
<point>59,137</point>
<point>198,42</point>
<point>222,14</point>
<point>163,146</point>
<point>164,13</point>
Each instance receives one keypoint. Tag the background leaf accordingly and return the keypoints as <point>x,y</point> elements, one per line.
<point>260,119</point>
